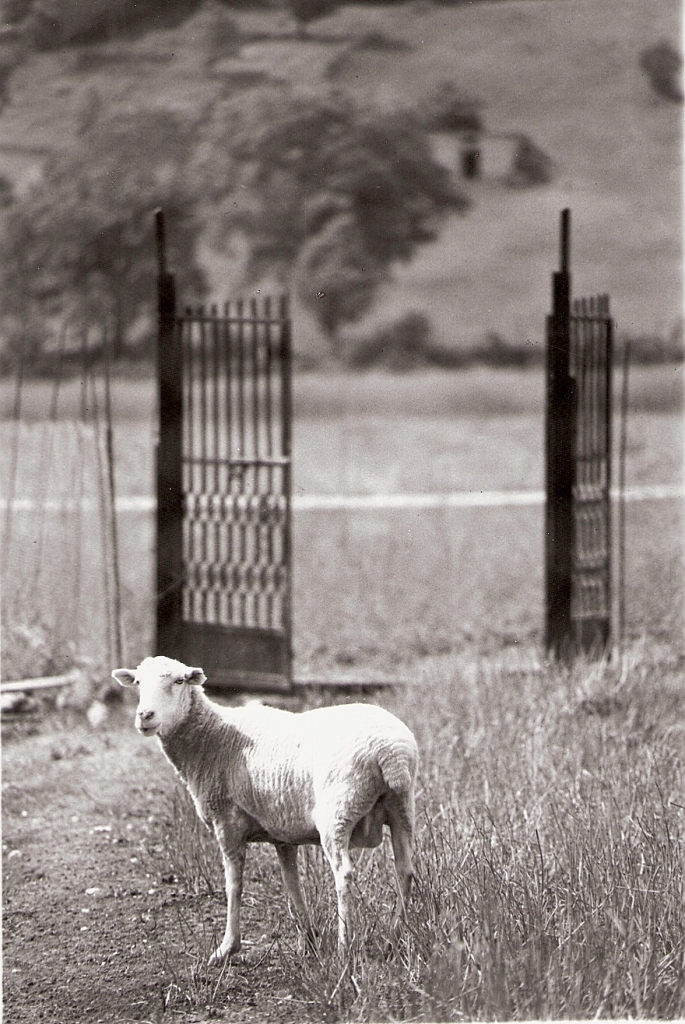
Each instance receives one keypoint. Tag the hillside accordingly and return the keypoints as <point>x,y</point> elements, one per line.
<point>566,72</point>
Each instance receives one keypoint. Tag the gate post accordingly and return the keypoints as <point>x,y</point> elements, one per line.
<point>168,620</point>
<point>560,433</point>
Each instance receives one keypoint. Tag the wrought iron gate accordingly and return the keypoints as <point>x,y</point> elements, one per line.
<point>590,366</point>
<point>224,484</point>
<point>578,433</point>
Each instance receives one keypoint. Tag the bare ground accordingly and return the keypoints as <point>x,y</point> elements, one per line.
<point>96,927</point>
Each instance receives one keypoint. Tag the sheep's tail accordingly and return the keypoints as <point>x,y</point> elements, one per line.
<point>397,762</point>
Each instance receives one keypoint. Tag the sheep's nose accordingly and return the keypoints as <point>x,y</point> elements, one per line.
<point>144,716</point>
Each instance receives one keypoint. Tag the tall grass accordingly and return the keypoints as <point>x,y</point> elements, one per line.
<point>549,861</point>
<point>57,599</point>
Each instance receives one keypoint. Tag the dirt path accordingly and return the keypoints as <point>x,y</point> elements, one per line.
<point>95,926</point>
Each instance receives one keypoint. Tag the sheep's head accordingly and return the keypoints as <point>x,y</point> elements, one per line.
<point>164,692</point>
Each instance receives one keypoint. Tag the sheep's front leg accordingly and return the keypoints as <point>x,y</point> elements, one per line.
<point>287,857</point>
<point>234,863</point>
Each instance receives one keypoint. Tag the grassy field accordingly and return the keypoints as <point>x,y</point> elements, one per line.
<point>551,824</point>
<point>380,589</point>
<point>549,866</point>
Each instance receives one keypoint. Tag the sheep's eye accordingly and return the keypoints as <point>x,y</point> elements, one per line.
<point>178,682</point>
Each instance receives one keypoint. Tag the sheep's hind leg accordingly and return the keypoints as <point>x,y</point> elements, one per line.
<point>234,863</point>
<point>400,817</point>
<point>336,848</point>
<point>287,856</point>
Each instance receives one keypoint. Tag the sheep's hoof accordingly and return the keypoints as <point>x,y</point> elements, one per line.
<point>221,953</point>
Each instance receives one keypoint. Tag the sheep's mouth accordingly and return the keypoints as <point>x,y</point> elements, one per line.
<point>147,730</point>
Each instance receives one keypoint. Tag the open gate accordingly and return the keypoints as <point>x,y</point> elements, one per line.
<point>590,367</point>
<point>223,487</point>
<point>578,463</point>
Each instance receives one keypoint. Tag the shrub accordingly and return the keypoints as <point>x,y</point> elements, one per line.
<point>662,64</point>
<point>23,342</point>
<point>305,11</point>
<point>216,28</point>
<point>377,40</point>
<point>49,24</point>
<point>6,191</point>
<point>32,650</point>
<point>653,349</point>
<point>401,345</point>
<point>408,343</point>
<point>13,11</point>
<point>497,351</point>
<point>447,109</point>
<point>531,165</point>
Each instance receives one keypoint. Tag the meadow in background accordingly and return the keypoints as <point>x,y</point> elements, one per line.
<point>378,589</point>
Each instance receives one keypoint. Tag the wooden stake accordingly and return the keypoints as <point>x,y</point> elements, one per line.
<point>622,496</point>
<point>114,537</point>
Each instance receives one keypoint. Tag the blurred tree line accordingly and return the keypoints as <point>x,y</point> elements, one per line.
<point>323,192</point>
<point>48,24</point>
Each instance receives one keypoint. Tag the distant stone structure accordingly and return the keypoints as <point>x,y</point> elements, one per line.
<point>470,155</point>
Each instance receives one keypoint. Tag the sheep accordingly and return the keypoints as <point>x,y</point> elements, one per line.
<point>332,776</point>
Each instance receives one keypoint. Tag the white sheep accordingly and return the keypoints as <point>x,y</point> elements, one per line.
<point>332,776</point>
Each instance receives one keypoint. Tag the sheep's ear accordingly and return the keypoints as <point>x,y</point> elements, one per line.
<point>195,676</point>
<point>125,677</point>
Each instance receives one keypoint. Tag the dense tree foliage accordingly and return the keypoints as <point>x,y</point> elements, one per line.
<point>663,65</point>
<point>326,196</point>
<point>49,24</point>
<point>328,193</point>
<point>305,11</point>
<point>78,248</point>
<point>448,109</point>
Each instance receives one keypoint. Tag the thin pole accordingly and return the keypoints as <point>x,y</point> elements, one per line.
<point>114,537</point>
<point>565,242</point>
<point>102,502</point>
<point>45,466</point>
<point>622,495</point>
<point>14,464</point>
<point>169,618</point>
<point>560,430</point>
<point>286,453</point>
<point>608,448</point>
<point>160,239</point>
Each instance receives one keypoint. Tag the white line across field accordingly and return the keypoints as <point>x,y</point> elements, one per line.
<point>369,502</point>
<point>461,499</point>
